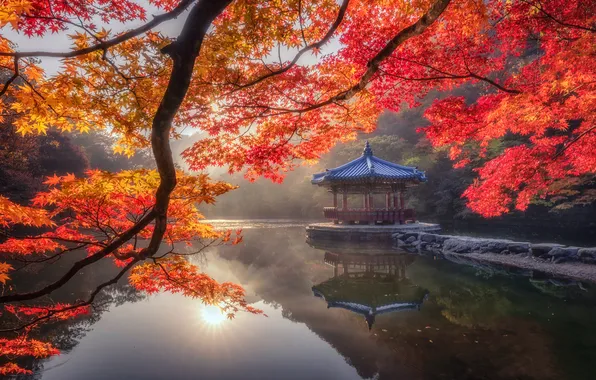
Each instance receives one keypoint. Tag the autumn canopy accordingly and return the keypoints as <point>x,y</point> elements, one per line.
<point>271,83</point>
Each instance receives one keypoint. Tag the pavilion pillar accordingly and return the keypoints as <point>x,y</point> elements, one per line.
<point>344,200</point>
<point>388,200</point>
<point>365,201</point>
<point>396,213</point>
<point>402,207</point>
<point>334,198</point>
<point>402,200</point>
<point>371,206</point>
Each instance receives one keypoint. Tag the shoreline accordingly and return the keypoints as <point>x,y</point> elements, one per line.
<point>575,271</point>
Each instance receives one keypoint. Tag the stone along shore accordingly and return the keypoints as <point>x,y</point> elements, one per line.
<point>556,259</point>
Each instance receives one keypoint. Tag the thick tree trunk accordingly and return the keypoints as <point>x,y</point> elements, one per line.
<point>184,52</point>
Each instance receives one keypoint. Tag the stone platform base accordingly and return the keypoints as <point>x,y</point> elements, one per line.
<point>364,233</point>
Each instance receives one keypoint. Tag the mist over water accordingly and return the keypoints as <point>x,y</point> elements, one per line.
<point>247,224</point>
<point>473,322</point>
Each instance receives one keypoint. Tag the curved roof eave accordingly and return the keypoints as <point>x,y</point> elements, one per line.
<point>364,167</point>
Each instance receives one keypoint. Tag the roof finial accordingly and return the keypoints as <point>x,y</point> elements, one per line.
<point>367,150</point>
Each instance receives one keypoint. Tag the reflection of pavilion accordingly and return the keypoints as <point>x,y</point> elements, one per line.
<point>370,285</point>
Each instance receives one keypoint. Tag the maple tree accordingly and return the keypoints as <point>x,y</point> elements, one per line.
<point>225,74</point>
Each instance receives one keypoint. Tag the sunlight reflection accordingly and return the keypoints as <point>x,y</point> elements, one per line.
<point>212,315</point>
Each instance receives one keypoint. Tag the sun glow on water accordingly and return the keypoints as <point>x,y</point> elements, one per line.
<point>212,315</point>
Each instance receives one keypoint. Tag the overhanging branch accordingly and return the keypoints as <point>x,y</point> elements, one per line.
<point>316,45</point>
<point>108,43</point>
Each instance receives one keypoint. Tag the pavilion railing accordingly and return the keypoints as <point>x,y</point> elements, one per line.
<point>381,215</point>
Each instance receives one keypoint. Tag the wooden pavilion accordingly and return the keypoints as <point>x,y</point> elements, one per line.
<point>368,175</point>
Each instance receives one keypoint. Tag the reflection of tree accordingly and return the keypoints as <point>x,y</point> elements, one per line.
<point>104,288</point>
<point>467,301</point>
<point>552,331</point>
<point>67,334</point>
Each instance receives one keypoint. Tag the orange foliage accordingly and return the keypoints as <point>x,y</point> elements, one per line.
<point>26,347</point>
<point>262,108</point>
<point>13,369</point>
<point>94,211</point>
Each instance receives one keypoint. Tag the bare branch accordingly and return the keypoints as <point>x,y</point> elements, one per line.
<point>316,45</point>
<point>373,65</point>
<point>447,75</point>
<point>551,17</point>
<point>587,131</point>
<point>77,305</point>
<point>12,78</point>
<point>81,264</point>
<point>108,43</point>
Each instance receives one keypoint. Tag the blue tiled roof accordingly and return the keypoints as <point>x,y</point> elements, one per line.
<point>368,309</point>
<point>370,312</point>
<point>369,166</point>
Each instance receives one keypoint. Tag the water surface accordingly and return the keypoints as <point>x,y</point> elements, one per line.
<point>337,315</point>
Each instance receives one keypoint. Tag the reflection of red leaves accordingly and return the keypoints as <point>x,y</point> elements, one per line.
<point>23,347</point>
<point>13,369</point>
<point>57,311</point>
<point>177,275</point>
<point>238,238</point>
<point>27,347</point>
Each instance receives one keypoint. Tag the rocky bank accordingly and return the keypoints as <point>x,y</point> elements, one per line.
<point>557,259</point>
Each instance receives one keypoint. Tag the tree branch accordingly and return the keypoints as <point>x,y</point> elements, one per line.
<point>447,75</point>
<point>560,152</point>
<point>551,17</point>
<point>89,301</point>
<point>108,43</point>
<point>316,45</point>
<point>81,263</point>
<point>373,65</point>
<point>184,52</point>
<point>12,78</point>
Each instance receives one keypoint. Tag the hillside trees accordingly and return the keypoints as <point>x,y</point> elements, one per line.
<point>27,160</point>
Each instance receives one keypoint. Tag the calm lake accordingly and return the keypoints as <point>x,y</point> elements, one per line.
<point>336,314</point>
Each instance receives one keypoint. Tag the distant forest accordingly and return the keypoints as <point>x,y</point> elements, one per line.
<point>25,161</point>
